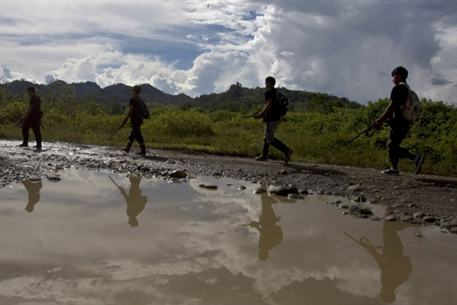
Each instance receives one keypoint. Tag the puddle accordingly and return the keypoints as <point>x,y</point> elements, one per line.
<point>101,238</point>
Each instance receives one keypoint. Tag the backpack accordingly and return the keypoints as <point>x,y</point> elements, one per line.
<point>412,106</point>
<point>142,110</point>
<point>283,102</point>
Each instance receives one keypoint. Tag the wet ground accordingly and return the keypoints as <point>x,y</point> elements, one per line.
<point>420,199</point>
<point>79,236</point>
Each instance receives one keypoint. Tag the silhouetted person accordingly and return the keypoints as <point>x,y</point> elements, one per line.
<point>136,121</point>
<point>395,267</point>
<point>135,202</point>
<point>32,119</point>
<point>399,125</point>
<point>270,233</point>
<point>272,118</point>
<point>33,188</point>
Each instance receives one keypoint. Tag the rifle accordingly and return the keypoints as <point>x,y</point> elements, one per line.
<point>359,134</point>
<point>367,243</point>
<point>114,132</point>
<point>114,182</point>
<point>17,122</point>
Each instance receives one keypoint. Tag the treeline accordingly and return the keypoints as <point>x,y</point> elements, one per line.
<point>236,98</point>
<point>318,134</point>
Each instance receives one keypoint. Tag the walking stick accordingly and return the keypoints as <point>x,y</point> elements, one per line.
<point>114,132</point>
<point>248,116</point>
<point>364,131</point>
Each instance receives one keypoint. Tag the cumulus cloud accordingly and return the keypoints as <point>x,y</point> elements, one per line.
<point>346,48</point>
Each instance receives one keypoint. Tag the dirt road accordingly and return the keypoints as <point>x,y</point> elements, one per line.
<point>414,198</point>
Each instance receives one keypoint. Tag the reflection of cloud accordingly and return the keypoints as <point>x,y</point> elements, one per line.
<point>193,246</point>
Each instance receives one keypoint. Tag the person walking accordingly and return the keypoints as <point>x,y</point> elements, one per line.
<point>271,118</point>
<point>399,126</point>
<point>32,119</point>
<point>136,121</point>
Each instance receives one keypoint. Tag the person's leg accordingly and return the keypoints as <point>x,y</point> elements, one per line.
<point>396,136</point>
<point>265,148</point>
<point>277,143</point>
<point>25,134</point>
<point>37,133</point>
<point>130,141</point>
<point>139,138</point>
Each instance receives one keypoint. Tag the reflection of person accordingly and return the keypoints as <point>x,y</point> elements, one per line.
<point>395,267</point>
<point>33,188</point>
<point>135,202</point>
<point>270,233</point>
<point>32,120</point>
<point>136,121</point>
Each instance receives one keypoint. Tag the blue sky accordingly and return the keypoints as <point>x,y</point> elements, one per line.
<point>345,48</point>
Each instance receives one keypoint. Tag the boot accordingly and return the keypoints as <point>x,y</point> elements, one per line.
<point>264,155</point>
<point>143,149</point>
<point>127,147</point>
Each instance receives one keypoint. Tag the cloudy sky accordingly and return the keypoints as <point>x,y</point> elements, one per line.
<point>345,48</point>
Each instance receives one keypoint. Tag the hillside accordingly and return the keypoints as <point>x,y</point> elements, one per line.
<point>236,98</point>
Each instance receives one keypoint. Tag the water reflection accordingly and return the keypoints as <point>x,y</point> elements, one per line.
<point>33,187</point>
<point>395,267</point>
<point>135,202</point>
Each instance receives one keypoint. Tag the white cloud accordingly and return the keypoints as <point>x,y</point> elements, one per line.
<point>346,48</point>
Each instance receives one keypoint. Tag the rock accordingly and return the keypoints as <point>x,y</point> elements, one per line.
<point>294,196</point>
<point>54,178</point>
<point>446,225</point>
<point>320,191</point>
<point>212,187</point>
<point>355,188</point>
<point>304,192</point>
<point>419,215</point>
<point>391,218</point>
<point>397,205</point>
<point>283,172</point>
<point>412,205</point>
<point>375,218</point>
<point>429,219</point>
<point>453,222</point>
<point>177,174</point>
<point>453,230</point>
<point>242,187</point>
<point>283,190</point>
<point>344,205</point>
<point>259,191</point>
<point>360,209</point>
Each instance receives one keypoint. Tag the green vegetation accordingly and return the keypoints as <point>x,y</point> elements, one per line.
<point>318,132</point>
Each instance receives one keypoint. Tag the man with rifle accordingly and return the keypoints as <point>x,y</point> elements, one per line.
<point>399,124</point>
<point>32,120</point>
<point>136,121</point>
<point>271,118</point>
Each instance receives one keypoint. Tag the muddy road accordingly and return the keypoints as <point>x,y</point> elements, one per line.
<point>410,198</point>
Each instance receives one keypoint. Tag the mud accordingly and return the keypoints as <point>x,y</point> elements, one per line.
<point>407,198</point>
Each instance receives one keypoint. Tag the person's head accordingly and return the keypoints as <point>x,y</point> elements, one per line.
<point>399,74</point>
<point>31,91</point>
<point>136,89</point>
<point>387,295</point>
<point>133,222</point>
<point>270,82</point>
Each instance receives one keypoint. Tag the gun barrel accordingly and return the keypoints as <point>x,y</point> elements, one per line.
<point>362,132</point>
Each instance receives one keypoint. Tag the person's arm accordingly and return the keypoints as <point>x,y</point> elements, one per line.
<point>265,109</point>
<point>128,115</point>
<point>387,113</point>
<point>26,115</point>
